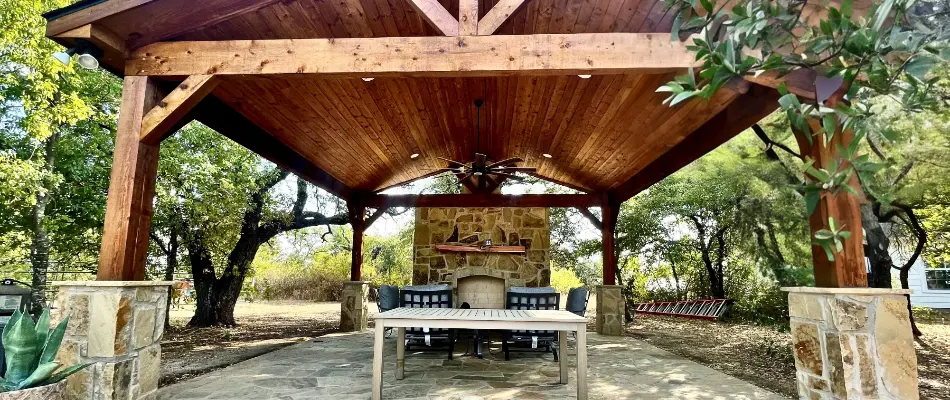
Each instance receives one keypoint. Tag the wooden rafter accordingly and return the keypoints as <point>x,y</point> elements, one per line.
<point>800,82</point>
<point>482,200</point>
<point>228,122</point>
<point>160,120</point>
<point>90,14</point>
<point>549,54</point>
<point>437,16</point>
<point>193,22</point>
<point>498,15</point>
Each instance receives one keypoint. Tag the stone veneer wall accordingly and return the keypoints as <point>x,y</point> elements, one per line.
<point>118,327</point>
<point>852,344</point>
<point>528,227</point>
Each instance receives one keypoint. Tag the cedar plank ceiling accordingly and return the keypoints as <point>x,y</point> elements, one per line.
<point>600,131</point>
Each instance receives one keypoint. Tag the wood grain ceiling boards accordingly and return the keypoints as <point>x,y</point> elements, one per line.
<point>600,131</point>
<point>292,19</point>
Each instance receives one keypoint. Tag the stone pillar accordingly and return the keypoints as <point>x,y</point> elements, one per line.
<point>117,326</point>
<point>353,312</point>
<point>610,307</point>
<point>852,343</point>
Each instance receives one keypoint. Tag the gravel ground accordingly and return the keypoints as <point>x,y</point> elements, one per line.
<point>762,355</point>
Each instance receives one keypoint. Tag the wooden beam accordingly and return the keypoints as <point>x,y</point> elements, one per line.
<point>160,120</point>
<point>128,218</point>
<point>114,51</point>
<point>357,213</point>
<point>549,54</point>
<point>482,200</point>
<point>743,112</point>
<point>848,267</point>
<point>437,16</point>
<point>454,248</point>
<point>610,210</point>
<point>468,17</point>
<point>223,119</point>
<point>498,15</point>
<point>800,82</point>
<point>88,15</point>
<point>376,214</point>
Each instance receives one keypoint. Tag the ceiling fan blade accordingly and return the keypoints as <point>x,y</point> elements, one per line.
<point>517,169</point>
<point>509,176</point>
<point>453,170</point>
<point>451,162</point>
<point>509,161</point>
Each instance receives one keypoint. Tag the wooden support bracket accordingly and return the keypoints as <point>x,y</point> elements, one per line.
<point>437,16</point>
<point>498,15</point>
<point>160,120</point>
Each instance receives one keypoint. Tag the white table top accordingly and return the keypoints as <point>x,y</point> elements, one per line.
<point>482,314</point>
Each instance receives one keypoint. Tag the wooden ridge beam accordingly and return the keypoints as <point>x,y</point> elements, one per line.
<point>739,115</point>
<point>162,118</point>
<point>436,15</point>
<point>222,118</point>
<point>548,54</point>
<point>481,200</point>
<point>498,15</point>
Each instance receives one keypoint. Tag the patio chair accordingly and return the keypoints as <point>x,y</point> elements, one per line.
<point>430,296</point>
<point>577,299</point>
<point>387,298</point>
<point>521,298</point>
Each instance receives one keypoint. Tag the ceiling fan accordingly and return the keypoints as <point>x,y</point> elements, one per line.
<point>480,168</point>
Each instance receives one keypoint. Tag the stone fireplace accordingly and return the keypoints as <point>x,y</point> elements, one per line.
<point>480,278</point>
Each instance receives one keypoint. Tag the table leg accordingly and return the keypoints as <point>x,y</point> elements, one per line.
<point>582,362</point>
<point>400,353</point>
<point>378,361</point>
<point>562,352</point>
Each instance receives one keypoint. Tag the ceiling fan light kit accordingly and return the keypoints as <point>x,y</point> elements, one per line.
<point>480,167</point>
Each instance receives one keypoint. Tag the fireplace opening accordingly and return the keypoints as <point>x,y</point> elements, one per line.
<point>481,291</point>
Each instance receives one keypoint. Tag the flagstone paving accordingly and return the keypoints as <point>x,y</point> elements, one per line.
<point>339,367</point>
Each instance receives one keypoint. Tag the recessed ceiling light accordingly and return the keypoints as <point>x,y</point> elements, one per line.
<point>546,155</point>
<point>414,155</point>
<point>367,79</point>
<point>584,76</point>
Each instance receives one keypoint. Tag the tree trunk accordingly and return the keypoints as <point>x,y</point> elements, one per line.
<point>676,280</point>
<point>40,247</point>
<point>876,249</point>
<point>171,264</point>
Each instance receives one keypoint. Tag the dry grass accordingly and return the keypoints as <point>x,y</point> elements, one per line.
<point>763,356</point>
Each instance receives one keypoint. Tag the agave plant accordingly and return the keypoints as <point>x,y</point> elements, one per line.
<point>30,352</point>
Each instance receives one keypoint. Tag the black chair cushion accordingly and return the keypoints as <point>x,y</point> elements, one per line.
<point>387,297</point>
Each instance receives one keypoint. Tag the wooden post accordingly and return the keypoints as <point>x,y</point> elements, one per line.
<point>468,17</point>
<point>131,187</point>
<point>848,268</point>
<point>357,214</point>
<point>609,221</point>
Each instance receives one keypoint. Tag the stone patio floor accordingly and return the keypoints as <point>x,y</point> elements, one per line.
<point>339,367</point>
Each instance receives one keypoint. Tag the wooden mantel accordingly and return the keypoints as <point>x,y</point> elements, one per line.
<point>457,248</point>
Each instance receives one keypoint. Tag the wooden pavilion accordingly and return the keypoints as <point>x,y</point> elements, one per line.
<point>357,96</point>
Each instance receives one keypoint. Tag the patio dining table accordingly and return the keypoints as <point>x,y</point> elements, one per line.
<point>538,320</point>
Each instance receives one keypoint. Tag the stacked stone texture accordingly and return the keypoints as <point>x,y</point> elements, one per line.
<point>353,310</point>
<point>118,329</point>
<point>527,227</point>
<point>852,346</point>
<point>610,310</point>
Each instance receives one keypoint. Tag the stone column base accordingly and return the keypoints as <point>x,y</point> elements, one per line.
<point>610,310</point>
<point>353,311</point>
<point>852,343</point>
<point>117,326</point>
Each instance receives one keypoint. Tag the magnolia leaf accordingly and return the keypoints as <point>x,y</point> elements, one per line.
<point>920,65</point>
<point>831,223</point>
<point>829,124</point>
<point>883,10</point>
<point>844,234</point>
<point>681,97</point>
<point>811,200</point>
<point>824,234</point>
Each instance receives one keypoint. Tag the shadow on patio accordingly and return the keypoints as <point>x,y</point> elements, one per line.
<point>339,366</point>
